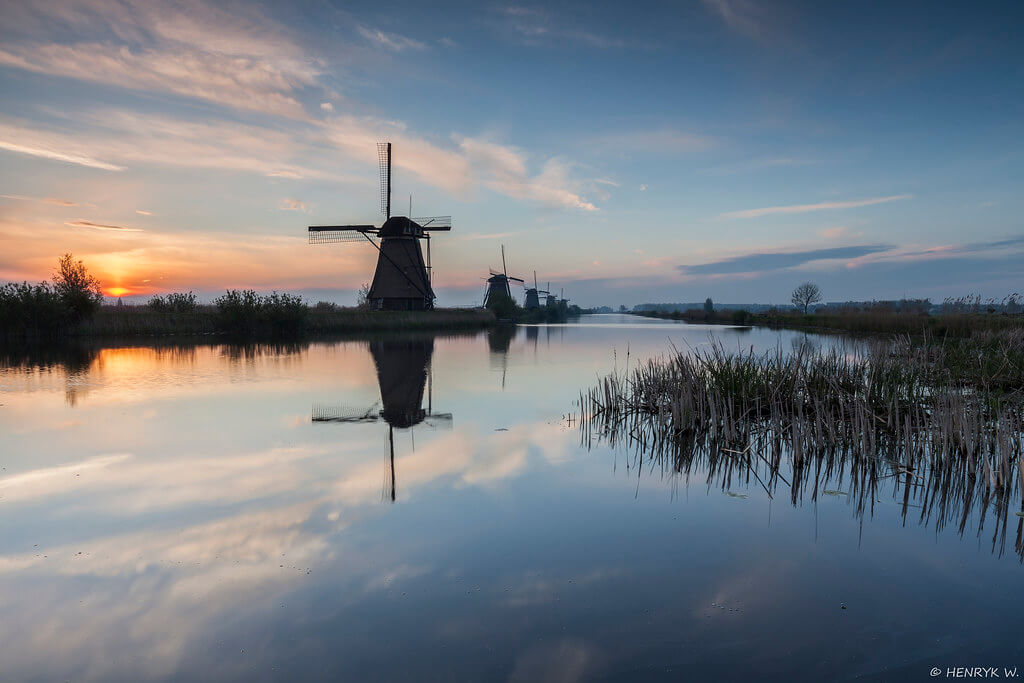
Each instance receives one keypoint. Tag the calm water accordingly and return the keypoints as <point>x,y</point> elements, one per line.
<point>212,512</point>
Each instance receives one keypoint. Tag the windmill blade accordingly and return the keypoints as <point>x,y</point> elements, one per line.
<point>326,234</point>
<point>345,414</point>
<point>516,279</point>
<point>434,222</point>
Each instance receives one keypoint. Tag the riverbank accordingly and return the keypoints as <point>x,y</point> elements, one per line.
<point>129,321</point>
<point>858,322</point>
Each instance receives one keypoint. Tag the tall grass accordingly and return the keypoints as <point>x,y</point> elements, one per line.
<point>948,416</point>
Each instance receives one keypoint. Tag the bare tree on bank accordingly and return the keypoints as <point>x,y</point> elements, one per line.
<point>805,295</point>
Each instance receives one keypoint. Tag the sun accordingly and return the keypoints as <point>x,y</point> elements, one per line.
<point>117,291</point>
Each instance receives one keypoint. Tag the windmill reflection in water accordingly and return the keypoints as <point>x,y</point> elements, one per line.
<point>403,373</point>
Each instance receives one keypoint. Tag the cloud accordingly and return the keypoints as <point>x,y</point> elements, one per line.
<point>48,152</point>
<point>390,41</point>
<point>767,261</point>
<point>47,200</point>
<point>292,205</point>
<point>504,169</point>
<point>607,181</point>
<point>804,208</point>
<point>535,25</point>
<point>101,226</point>
<point>326,106</point>
<point>143,213</point>
<point>743,16</point>
<point>832,233</point>
<point>224,55</point>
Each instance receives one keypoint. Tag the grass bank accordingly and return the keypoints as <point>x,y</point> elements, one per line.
<point>856,322</point>
<point>128,321</point>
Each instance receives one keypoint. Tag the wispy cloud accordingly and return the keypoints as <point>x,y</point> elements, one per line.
<point>141,212</point>
<point>292,205</point>
<point>47,152</point>
<point>101,226</point>
<point>228,56</point>
<point>390,41</point>
<point>43,200</point>
<point>743,16</point>
<point>767,261</point>
<point>504,169</point>
<point>536,25</point>
<point>804,208</point>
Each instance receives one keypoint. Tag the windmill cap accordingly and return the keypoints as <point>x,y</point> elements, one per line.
<point>400,226</point>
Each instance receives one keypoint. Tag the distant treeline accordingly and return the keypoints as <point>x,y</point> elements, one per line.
<point>955,319</point>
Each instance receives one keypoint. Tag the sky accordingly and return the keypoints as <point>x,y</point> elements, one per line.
<point>626,152</point>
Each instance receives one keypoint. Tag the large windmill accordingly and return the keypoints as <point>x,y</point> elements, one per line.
<point>498,283</point>
<point>402,280</point>
<point>403,372</point>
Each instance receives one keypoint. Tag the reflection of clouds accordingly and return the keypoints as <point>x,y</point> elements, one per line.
<point>150,592</point>
<point>157,591</point>
<point>128,484</point>
<point>565,661</point>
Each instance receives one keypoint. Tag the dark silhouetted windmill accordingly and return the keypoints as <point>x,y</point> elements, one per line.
<point>403,372</point>
<point>402,280</point>
<point>498,283</point>
<point>533,295</point>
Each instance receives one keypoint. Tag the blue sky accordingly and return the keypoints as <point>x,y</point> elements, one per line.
<point>627,152</point>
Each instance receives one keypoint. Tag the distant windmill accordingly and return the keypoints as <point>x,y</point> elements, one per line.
<point>402,280</point>
<point>498,283</point>
<point>403,371</point>
<point>551,299</point>
<point>533,295</point>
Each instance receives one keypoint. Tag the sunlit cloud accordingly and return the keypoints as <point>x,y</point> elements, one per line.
<point>805,208</point>
<point>47,152</point>
<point>101,226</point>
<point>292,205</point>
<point>43,200</point>
<point>227,56</point>
<point>143,213</point>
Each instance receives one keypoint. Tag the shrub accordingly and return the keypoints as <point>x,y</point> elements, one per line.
<point>246,311</point>
<point>740,317</point>
<point>175,302</point>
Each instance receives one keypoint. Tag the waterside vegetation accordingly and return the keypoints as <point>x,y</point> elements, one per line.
<point>945,416</point>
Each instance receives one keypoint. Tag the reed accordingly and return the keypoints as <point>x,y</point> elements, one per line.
<point>948,416</point>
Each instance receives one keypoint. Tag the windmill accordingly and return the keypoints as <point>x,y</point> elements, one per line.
<point>498,283</point>
<point>533,295</point>
<point>402,280</point>
<point>551,299</point>
<point>403,371</point>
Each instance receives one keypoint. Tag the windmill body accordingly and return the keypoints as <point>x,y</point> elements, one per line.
<point>499,283</point>
<point>402,279</point>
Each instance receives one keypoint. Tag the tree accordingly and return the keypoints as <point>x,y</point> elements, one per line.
<point>363,296</point>
<point>79,290</point>
<point>709,306</point>
<point>805,295</point>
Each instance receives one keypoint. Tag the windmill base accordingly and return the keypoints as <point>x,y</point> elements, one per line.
<point>400,304</point>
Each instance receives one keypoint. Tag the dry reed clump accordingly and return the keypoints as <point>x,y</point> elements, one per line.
<point>948,416</point>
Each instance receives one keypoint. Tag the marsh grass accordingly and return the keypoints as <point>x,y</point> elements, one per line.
<point>945,419</point>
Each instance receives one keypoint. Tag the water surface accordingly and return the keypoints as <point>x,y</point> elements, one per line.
<point>417,507</point>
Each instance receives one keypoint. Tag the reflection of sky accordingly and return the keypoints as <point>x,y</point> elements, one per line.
<point>183,510</point>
